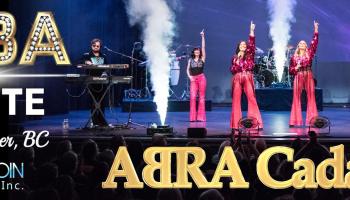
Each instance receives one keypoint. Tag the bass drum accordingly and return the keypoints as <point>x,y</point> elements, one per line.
<point>269,77</point>
<point>174,73</point>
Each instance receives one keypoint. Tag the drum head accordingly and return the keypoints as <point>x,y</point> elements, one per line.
<point>174,73</point>
<point>269,77</point>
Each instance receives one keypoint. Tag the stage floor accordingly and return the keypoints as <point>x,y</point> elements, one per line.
<point>275,123</point>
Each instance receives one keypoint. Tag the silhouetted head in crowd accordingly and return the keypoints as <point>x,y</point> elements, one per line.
<point>284,197</point>
<point>226,143</point>
<point>285,169</point>
<point>44,194</point>
<point>65,187</point>
<point>68,164</point>
<point>260,145</point>
<point>18,194</point>
<point>116,142</point>
<point>328,194</point>
<point>26,155</point>
<point>159,140</point>
<point>100,173</point>
<point>47,174</point>
<point>193,143</point>
<point>313,136</point>
<point>89,151</point>
<point>211,194</point>
<point>296,145</point>
<point>136,149</point>
<point>169,194</point>
<point>107,156</point>
<point>216,157</point>
<point>301,194</point>
<point>63,147</point>
<point>105,194</point>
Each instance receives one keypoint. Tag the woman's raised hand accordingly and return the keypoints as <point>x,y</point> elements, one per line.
<point>252,28</point>
<point>316,24</point>
<point>202,33</point>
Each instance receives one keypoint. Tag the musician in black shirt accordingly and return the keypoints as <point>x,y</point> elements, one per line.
<point>96,57</point>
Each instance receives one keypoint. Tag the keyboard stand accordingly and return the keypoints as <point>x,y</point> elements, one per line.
<point>97,104</point>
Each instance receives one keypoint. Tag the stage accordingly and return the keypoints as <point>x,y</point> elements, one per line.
<point>270,99</point>
<point>276,126</point>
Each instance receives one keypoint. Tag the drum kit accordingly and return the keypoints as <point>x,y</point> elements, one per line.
<point>265,71</point>
<point>174,76</point>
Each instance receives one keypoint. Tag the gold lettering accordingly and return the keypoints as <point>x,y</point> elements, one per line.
<point>304,178</point>
<point>122,159</point>
<point>183,168</point>
<point>228,159</point>
<point>263,171</point>
<point>7,40</point>
<point>337,163</point>
<point>44,26</point>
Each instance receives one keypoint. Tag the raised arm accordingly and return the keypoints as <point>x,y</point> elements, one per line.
<point>252,29</point>
<point>251,41</point>
<point>203,46</point>
<point>314,41</point>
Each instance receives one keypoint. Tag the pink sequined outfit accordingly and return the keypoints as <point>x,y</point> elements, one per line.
<point>198,86</point>
<point>303,79</point>
<point>242,70</point>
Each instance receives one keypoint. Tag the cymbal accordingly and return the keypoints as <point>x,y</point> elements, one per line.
<point>259,51</point>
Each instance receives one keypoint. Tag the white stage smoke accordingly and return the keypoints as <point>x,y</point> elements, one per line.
<point>157,21</point>
<point>281,15</point>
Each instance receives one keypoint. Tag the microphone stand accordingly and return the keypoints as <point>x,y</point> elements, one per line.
<point>132,59</point>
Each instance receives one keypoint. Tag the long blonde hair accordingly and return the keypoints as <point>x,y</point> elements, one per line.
<point>297,51</point>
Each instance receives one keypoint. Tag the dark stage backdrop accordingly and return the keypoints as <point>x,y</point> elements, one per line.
<point>78,21</point>
<point>225,21</point>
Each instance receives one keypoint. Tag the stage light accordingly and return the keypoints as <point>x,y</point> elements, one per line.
<point>160,129</point>
<point>320,123</point>
<point>248,123</point>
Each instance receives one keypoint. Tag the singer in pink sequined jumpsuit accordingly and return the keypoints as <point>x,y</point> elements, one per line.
<point>195,72</point>
<point>300,67</point>
<point>242,80</point>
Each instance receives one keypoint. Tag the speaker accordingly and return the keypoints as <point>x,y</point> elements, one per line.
<point>196,132</point>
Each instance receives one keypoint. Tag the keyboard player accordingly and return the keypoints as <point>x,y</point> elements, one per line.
<point>96,57</point>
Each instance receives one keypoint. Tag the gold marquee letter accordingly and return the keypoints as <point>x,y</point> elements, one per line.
<point>184,168</point>
<point>304,178</point>
<point>228,159</point>
<point>263,170</point>
<point>164,167</point>
<point>7,40</point>
<point>337,163</point>
<point>122,159</point>
<point>44,26</point>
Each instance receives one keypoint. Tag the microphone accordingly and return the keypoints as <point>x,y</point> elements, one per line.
<point>108,49</point>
